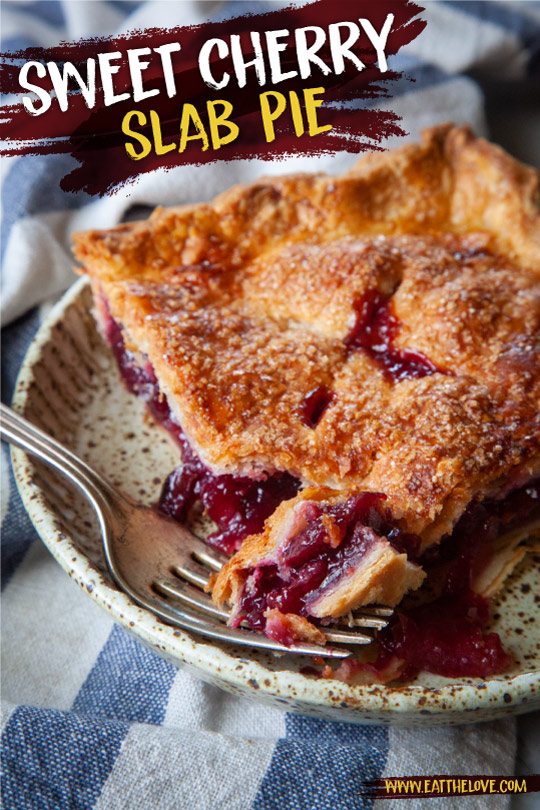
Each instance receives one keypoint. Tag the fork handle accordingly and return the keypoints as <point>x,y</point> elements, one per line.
<point>17,430</point>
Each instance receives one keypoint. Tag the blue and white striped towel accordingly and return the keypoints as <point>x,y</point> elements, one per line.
<point>90,717</point>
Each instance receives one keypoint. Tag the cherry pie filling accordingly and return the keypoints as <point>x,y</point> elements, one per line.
<point>335,539</point>
<point>375,329</point>
<point>314,405</point>
<point>442,636</point>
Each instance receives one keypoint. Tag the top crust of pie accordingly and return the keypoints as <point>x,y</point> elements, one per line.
<point>242,306</point>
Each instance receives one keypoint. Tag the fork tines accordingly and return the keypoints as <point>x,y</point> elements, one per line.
<point>187,586</point>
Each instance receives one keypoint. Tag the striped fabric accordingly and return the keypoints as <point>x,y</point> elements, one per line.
<point>90,718</point>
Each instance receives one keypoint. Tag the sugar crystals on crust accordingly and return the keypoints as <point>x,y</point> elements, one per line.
<point>374,332</point>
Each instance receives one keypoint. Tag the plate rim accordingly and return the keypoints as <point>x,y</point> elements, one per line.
<point>361,703</point>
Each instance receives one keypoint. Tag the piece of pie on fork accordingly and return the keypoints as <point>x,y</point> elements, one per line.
<point>351,367</point>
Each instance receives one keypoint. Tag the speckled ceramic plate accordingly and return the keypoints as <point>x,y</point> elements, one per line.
<point>69,387</point>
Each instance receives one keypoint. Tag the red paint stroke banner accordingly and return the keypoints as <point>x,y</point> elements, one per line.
<point>92,132</point>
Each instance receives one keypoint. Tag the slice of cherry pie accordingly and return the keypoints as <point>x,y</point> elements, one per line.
<point>350,366</point>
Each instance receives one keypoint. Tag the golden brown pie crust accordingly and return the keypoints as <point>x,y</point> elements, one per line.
<point>242,306</point>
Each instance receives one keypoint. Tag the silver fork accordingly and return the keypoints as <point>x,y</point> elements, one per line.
<point>160,564</point>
